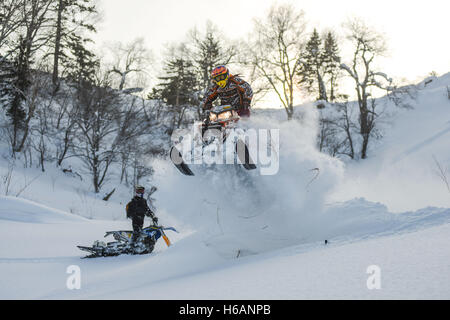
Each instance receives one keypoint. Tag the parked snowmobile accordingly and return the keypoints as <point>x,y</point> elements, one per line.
<point>144,244</point>
<point>219,125</point>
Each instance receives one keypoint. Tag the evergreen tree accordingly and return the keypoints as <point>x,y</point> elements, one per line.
<point>209,51</point>
<point>208,55</point>
<point>312,71</point>
<point>331,59</point>
<point>81,63</point>
<point>70,21</point>
<point>178,86</point>
<point>16,92</point>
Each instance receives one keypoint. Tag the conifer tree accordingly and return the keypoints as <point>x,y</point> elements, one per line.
<point>331,60</point>
<point>178,86</point>
<point>80,63</point>
<point>209,51</point>
<point>71,19</point>
<point>312,71</point>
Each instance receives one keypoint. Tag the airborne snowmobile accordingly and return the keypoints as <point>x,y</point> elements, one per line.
<point>209,139</point>
<point>144,244</point>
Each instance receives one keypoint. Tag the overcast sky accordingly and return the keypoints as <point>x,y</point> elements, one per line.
<point>418,32</point>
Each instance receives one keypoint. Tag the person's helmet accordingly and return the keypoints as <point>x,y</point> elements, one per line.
<point>139,190</point>
<point>220,75</point>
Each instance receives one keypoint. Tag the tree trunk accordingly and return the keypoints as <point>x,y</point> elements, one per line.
<point>322,88</point>
<point>55,78</point>
<point>364,123</point>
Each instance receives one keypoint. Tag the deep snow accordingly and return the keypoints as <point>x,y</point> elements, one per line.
<point>414,265</point>
<point>247,236</point>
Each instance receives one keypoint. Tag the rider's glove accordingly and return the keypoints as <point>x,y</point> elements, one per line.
<point>155,220</point>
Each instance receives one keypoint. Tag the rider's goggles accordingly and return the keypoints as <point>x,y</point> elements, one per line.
<point>221,77</point>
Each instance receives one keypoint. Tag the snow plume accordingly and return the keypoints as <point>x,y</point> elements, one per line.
<point>240,212</point>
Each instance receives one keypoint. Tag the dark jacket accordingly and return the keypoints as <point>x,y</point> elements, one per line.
<point>137,208</point>
<point>236,93</point>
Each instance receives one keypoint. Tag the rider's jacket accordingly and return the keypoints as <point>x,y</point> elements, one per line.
<point>137,208</point>
<point>236,93</point>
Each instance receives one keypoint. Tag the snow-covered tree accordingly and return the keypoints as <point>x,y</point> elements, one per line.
<point>25,42</point>
<point>95,143</point>
<point>368,45</point>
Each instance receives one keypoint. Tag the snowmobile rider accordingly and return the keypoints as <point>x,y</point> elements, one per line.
<point>231,90</point>
<point>137,209</point>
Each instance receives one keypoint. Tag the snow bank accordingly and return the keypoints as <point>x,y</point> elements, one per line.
<point>63,191</point>
<point>360,219</point>
<point>401,171</point>
<point>21,210</point>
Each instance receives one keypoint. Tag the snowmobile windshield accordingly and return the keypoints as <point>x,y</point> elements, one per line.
<point>225,115</point>
<point>212,117</point>
<point>222,116</point>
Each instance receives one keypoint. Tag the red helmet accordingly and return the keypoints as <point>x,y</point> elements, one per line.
<point>220,75</point>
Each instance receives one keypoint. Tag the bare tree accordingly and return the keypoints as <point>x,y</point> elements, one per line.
<point>337,130</point>
<point>64,123</point>
<point>97,105</point>
<point>403,97</point>
<point>130,58</point>
<point>10,21</point>
<point>368,45</point>
<point>41,129</point>
<point>108,126</point>
<point>28,39</point>
<point>275,53</point>
<point>346,124</point>
<point>33,98</point>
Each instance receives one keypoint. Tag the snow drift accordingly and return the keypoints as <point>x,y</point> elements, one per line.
<point>21,210</point>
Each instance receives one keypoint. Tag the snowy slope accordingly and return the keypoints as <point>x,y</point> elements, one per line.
<point>247,236</point>
<point>401,171</point>
<point>413,265</point>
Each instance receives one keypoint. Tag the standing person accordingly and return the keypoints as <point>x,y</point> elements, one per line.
<point>137,209</point>
<point>230,89</point>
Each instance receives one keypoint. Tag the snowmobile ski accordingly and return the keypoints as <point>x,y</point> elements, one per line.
<point>177,160</point>
<point>245,159</point>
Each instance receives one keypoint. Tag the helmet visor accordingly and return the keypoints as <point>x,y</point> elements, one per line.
<point>220,77</point>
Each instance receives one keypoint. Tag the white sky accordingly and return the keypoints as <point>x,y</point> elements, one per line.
<point>418,32</point>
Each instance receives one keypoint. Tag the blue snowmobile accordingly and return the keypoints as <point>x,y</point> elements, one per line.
<point>144,243</point>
